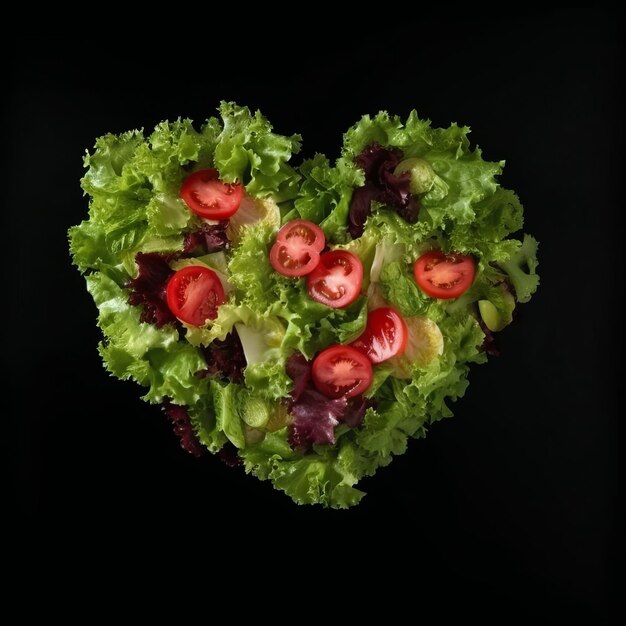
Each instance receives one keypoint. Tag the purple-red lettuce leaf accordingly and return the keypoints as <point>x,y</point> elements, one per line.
<point>181,423</point>
<point>207,239</point>
<point>315,415</point>
<point>148,289</point>
<point>225,359</point>
<point>383,186</point>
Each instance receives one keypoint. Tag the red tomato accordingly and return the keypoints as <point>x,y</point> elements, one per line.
<point>297,248</point>
<point>444,276</point>
<point>194,293</point>
<point>207,196</point>
<point>341,371</point>
<point>384,336</point>
<point>337,279</point>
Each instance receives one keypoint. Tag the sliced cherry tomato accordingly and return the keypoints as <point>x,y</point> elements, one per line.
<point>207,196</point>
<point>385,335</point>
<point>194,293</point>
<point>297,248</point>
<point>341,371</point>
<point>337,279</point>
<point>444,276</point>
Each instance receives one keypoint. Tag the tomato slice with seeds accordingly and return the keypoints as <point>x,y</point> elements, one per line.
<point>385,335</point>
<point>337,279</point>
<point>209,197</point>
<point>296,251</point>
<point>444,276</point>
<point>194,293</point>
<point>341,371</point>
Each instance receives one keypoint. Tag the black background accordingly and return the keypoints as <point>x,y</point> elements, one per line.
<point>511,507</point>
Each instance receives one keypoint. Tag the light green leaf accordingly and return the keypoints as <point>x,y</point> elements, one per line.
<point>522,269</point>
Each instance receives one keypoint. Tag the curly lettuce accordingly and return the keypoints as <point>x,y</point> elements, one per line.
<point>402,186</point>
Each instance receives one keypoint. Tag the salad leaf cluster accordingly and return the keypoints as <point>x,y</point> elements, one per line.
<point>243,378</point>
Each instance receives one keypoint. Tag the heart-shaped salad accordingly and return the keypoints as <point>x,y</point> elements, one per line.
<point>302,321</point>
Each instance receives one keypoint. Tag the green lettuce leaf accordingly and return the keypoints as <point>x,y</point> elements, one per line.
<point>248,151</point>
<point>153,357</point>
<point>323,477</point>
<point>522,269</point>
<point>401,291</point>
<point>325,195</point>
<point>204,421</point>
<point>228,420</point>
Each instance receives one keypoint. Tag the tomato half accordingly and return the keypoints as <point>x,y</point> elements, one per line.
<point>385,335</point>
<point>337,279</point>
<point>194,293</point>
<point>444,276</point>
<point>207,196</point>
<point>341,371</point>
<point>297,248</point>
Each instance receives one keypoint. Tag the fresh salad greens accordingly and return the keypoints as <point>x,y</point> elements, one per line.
<point>302,321</point>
